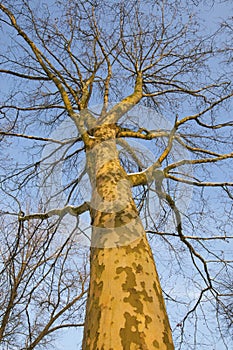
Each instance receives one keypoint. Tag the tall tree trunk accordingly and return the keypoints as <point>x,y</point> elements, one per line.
<point>125,307</point>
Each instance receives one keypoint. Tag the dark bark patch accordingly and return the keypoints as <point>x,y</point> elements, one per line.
<point>138,268</point>
<point>148,320</point>
<point>130,277</point>
<point>159,297</point>
<point>100,269</point>
<point>98,287</point>
<point>156,344</point>
<point>130,334</point>
<point>125,215</point>
<point>166,338</point>
<point>139,248</point>
<point>134,300</point>
<point>135,296</point>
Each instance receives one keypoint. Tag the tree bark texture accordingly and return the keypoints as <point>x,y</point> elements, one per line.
<point>125,307</point>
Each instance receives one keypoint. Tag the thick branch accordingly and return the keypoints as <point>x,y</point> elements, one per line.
<point>141,133</point>
<point>146,176</point>
<point>69,209</point>
<point>125,105</point>
<point>152,172</point>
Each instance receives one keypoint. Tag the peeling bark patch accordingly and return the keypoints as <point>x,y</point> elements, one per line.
<point>95,256</point>
<point>166,338</point>
<point>131,334</point>
<point>133,299</point>
<point>129,286</point>
<point>98,287</point>
<point>130,277</point>
<point>156,344</point>
<point>148,320</point>
<point>143,284</point>
<point>104,132</point>
<point>124,217</point>
<point>100,270</point>
<point>139,248</point>
<point>94,321</point>
<point>138,268</point>
<point>134,295</point>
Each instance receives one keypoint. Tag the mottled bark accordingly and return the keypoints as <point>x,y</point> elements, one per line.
<point>125,308</point>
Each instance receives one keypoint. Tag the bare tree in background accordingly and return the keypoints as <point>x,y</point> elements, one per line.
<point>42,286</point>
<point>158,163</point>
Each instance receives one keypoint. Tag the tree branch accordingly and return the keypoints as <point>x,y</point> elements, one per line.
<point>198,183</point>
<point>24,76</point>
<point>52,73</point>
<point>196,116</point>
<point>152,172</point>
<point>125,105</point>
<point>69,209</point>
<point>37,138</point>
<point>141,133</point>
<point>198,161</point>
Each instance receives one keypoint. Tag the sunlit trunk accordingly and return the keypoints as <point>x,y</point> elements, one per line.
<point>125,307</point>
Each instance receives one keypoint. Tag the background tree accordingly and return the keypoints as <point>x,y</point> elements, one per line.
<point>42,286</point>
<point>63,68</point>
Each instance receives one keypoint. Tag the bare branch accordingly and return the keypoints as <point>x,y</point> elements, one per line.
<point>24,76</point>
<point>198,161</point>
<point>209,108</point>
<point>125,105</point>
<point>69,209</point>
<point>198,183</point>
<point>37,138</point>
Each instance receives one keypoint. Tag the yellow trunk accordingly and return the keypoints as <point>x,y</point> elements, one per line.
<point>125,307</point>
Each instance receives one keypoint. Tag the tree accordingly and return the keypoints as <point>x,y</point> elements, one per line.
<point>154,59</point>
<point>40,293</point>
